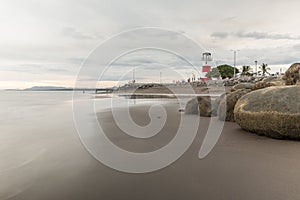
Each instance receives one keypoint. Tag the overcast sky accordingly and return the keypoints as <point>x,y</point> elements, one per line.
<point>43,42</point>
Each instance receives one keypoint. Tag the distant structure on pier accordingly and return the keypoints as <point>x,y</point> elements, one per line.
<point>206,66</point>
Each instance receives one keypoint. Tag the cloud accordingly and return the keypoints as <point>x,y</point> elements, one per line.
<point>255,35</point>
<point>73,33</point>
<point>58,44</point>
<point>220,34</point>
<point>264,35</point>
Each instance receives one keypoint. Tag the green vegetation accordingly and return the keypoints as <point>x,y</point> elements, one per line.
<point>264,69</point>
<point>222,70</point>
<point>214,73</point>
<point>246,71</point>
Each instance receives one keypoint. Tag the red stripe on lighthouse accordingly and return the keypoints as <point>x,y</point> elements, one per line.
<point>206,68</point>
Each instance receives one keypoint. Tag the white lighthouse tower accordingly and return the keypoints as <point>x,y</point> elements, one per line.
<point>206,66</point>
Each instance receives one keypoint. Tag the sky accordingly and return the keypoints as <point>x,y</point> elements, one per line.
<point>47,42</point>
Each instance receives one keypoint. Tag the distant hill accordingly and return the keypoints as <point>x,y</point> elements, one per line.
<point>57,88</point>
<point>48,88</point>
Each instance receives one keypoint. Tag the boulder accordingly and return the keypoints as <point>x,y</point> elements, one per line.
<point>247,79</point>
<point>227,104</point>
<point>269,79</point>
<point>191,107</point>
<point>277,82</point>
<point>292,74</point>
<point>257,79</point>
<point>242,86</point>
<point>216,104</point>
<point>261,85</point>
<point>268,82</point>
<point>273,112</point>
<point>204,106</point>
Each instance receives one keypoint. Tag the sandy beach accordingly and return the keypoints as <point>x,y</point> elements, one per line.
<point>241,165</point>
<point>149,100</point>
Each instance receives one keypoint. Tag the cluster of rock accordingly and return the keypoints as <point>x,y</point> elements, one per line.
<point>242,79</point>
<point>266,106</point>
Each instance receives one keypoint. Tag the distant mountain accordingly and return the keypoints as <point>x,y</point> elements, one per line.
<point>48,88</point>
<point>57,88</point>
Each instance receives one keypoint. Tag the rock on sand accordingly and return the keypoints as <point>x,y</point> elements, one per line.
<point>201,105</point>
<point>273,112</point>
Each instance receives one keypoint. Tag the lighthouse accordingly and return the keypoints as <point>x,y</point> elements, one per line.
<point>206,66</point>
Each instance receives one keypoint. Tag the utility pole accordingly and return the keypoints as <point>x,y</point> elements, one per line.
<point>160,77</point>
<point>234,59</point>
<point>256,68</point>
<point>133,76</point>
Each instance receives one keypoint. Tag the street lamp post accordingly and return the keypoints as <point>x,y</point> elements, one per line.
<point>133,76</point>
<point>160,77</point>
<point>234,58</point>
<point>256,68</point>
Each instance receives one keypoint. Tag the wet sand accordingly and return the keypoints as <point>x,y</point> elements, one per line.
<point>241,166</point>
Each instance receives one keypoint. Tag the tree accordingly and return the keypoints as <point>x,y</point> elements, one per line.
<point>264,69</point>
<point>214,73</point>
<point>246,70</point>
<point>227,71</point>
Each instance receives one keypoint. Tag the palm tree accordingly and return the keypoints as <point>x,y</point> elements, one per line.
<point>246,70</point>
<point>264,68</point>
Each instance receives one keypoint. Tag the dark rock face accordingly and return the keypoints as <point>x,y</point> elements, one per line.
<point>273,112</point>
<point>227,104</point>
<point>292,74</point>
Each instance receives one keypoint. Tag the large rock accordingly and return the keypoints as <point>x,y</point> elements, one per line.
<point>217,103</point>
<point>268,82</point>
<point>277,82</point>
<point>191,107</point>
<point>204,106</point>
<point>261,84</point>
<point>227,104</point>
<point>273,112</point>
<point>246,79</point>
<point>269,79</point>
<point>292,74</point>
<point>242,86</point>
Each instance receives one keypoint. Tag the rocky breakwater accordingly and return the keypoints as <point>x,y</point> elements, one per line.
<point>223,106</point>
<point>272,112</point>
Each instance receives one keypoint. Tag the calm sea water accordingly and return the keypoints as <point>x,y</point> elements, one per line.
<point>32,126</point>
<point>38,137</point>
